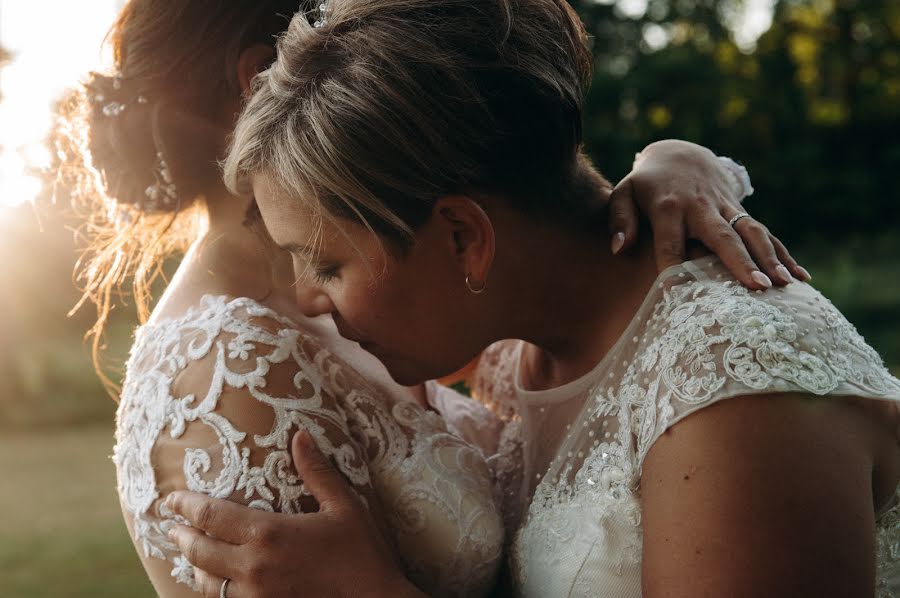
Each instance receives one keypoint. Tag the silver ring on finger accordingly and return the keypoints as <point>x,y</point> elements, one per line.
<point>224,587</point>
<point>737,217</point>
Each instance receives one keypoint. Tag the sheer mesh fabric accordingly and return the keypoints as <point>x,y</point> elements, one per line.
<point>573,508</point>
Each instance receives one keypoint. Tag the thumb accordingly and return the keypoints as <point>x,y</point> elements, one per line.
<point>623,216</point>
<point>319,475</point>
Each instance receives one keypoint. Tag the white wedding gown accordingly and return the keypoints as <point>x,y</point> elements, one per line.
<point>569,466</point>
<point>210,403</point>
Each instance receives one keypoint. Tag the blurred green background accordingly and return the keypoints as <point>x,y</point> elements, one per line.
<point>811,107</point>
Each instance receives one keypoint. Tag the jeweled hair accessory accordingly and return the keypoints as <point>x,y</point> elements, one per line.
<point>162,194</point>
<point>113,108</point>
<point>322,17</point>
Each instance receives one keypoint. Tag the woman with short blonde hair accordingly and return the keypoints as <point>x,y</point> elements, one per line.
<point>670,434</point>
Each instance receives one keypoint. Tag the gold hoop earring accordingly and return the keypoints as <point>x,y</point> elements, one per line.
<point>475,290</point>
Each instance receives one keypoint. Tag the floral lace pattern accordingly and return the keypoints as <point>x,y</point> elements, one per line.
<point>699,338</point>
<point>492,385</point>
<point>216,396</point>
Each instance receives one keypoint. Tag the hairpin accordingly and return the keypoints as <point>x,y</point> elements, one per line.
<point>322,19</point>
<point>114,108</point>
<point>163,193</point>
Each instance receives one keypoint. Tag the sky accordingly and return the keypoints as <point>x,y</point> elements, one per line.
<point>55,42</point>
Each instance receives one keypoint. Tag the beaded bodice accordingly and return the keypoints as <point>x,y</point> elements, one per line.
<point>574,505</point>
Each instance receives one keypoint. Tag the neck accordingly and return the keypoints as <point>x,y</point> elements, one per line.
<point>573,299</point>
<point>236,258</point>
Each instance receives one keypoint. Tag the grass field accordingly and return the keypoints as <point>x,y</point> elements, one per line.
<point>61,533</point>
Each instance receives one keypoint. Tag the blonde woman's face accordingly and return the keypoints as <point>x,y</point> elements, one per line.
<point>409,313</point>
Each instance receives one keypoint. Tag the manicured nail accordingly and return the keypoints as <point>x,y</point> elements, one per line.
<point>761,279</point>
<point>806,275</point>
<point>783,274</point>
<point>618,241</point>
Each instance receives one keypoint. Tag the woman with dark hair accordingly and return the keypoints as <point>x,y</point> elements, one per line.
<point>671,434</point>
<point>226,368</point>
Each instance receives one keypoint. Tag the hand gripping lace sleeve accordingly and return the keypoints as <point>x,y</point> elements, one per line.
<point>210,404</point>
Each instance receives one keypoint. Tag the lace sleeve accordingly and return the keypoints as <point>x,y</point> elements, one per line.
<point>211,402</point>
<point>210,405</point>
<point>718,340</point>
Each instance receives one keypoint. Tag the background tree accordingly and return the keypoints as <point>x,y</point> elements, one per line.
<point>812,108</point>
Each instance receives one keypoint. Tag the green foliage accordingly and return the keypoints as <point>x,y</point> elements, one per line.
<point>814,111</point>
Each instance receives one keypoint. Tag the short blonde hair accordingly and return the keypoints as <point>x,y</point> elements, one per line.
<point>395,103</point>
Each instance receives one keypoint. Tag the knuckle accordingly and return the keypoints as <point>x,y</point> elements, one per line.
<point>670,247</point>
<point>770,263</point>
<point>755,228</point>
<point>701,205</point>
<point>618,214</point>
<point>190,549</point>
<point>724,233</point>
<point>204,515</point>
<point>669,203</point>
<point>265,535</point>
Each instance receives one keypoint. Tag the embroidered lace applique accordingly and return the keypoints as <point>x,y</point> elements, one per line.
<point>699,338</point>
<point>219,393</point>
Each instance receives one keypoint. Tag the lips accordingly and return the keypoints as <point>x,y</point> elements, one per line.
<point>342,329</point>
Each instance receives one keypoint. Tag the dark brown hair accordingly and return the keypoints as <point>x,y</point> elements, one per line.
<point>174,74</point>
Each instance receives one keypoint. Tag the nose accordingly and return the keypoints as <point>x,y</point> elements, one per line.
<point>313,302</point>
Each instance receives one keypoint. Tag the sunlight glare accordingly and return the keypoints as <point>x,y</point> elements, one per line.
<point>54,43</point>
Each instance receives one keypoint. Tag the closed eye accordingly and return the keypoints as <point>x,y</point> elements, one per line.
<point>326,274</point>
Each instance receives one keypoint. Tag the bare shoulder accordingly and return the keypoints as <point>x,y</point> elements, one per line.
<point>767,495</point>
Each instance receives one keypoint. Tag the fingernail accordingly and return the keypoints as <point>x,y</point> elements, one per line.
<point>172,533</point>
<point>783,274</point>
<point>618,241</point>
<point>806,275</point>
<point>761,279</point>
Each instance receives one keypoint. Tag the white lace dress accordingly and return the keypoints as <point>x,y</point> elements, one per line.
<point>210,403</point>
<point>569,466</point>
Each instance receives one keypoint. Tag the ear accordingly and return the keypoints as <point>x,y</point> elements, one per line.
<point>252,61</point>
<point>471,233</point>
